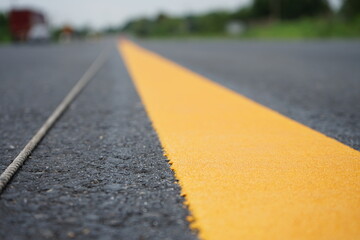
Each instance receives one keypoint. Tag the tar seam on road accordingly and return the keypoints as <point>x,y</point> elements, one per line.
<point>247,171</point>
<point>30,146</point>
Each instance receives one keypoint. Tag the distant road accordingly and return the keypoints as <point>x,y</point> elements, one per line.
<point>100,172</point>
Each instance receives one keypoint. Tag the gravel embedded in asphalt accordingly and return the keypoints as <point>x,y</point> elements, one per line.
<point>100,173</point>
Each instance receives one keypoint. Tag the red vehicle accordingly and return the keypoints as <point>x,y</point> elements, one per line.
<point>27,25</point>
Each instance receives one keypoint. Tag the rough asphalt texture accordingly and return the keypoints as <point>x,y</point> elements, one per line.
<point>33,81</point>
<point>100,172</point>
<point>316,83</point>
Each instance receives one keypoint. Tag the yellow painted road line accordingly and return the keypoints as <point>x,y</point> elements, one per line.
<point>247,171</point>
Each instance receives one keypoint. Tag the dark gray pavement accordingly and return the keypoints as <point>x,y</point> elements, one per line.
<point>316,83</point>
<point>100,172</point>
<point>33,81</point>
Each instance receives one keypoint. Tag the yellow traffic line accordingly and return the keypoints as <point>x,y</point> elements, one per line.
<point>247,171</point>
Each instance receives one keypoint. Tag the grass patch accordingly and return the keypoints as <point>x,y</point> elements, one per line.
<point>306,28</point>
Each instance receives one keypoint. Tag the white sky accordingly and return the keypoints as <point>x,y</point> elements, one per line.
<point>100,13</point>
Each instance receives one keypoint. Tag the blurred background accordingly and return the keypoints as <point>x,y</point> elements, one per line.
<point>40,20</point>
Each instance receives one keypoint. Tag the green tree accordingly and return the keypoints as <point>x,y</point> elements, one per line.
<point>4,28</point>
<point>261,9</point>
<point>351,8</point>
<point>213,22</point>
<point>243,14</point>
<point>289,9</point>
<point>165,25</point>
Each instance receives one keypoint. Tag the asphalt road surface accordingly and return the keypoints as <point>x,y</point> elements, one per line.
<point>100,172</point>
